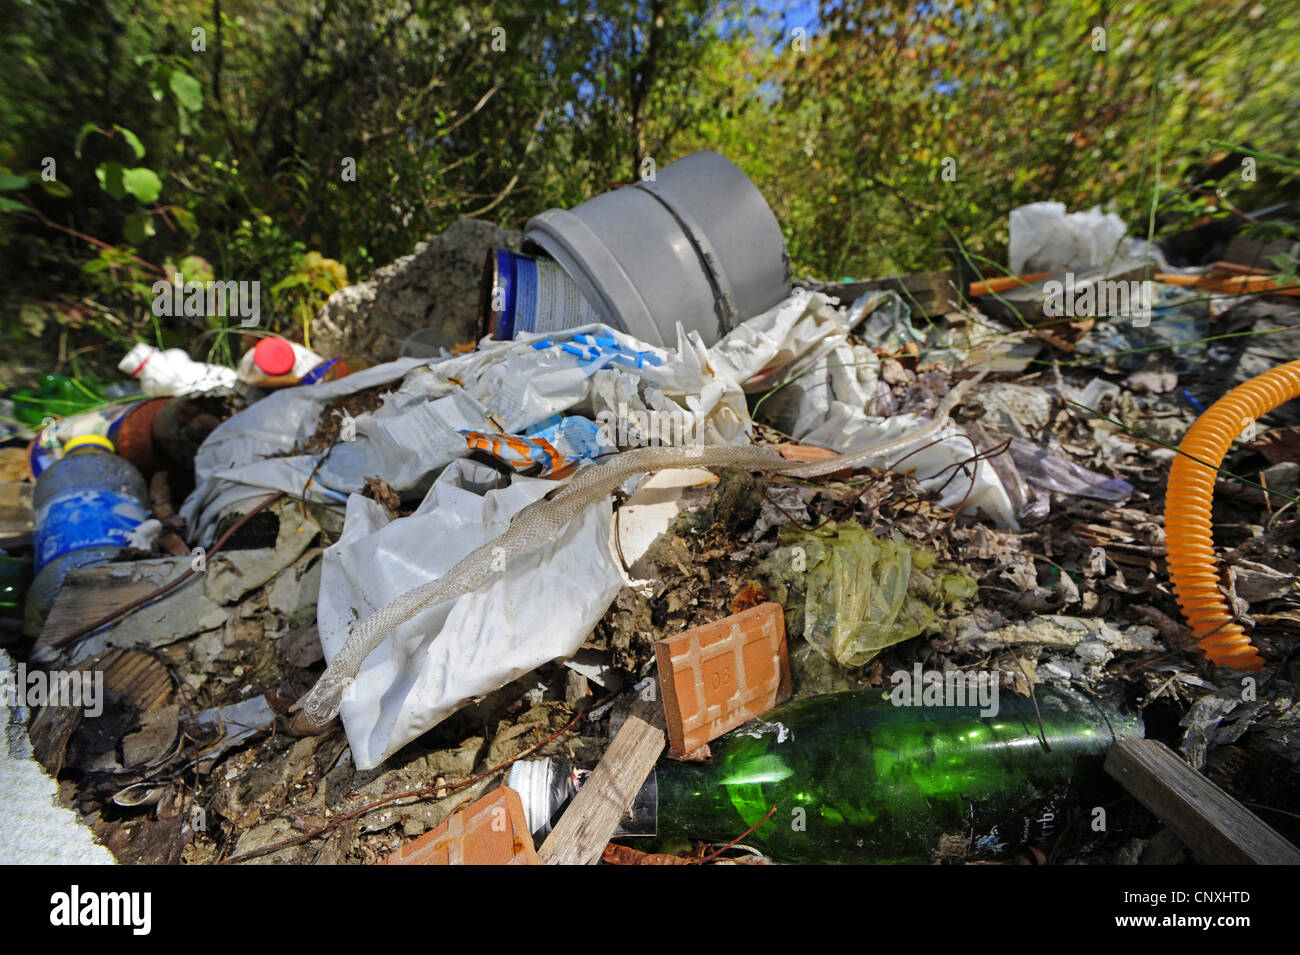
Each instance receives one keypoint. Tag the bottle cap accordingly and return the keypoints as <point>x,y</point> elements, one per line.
<point>88,440</point>
<point>274,356</point>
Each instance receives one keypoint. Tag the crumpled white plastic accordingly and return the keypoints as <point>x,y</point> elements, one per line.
<point>938,468</point>
<point>501,387</point>
<point>781,342</point>
<point>539,610</point>
<point>1044,238</point>
<point>827,405</point>
<point>247,455</point>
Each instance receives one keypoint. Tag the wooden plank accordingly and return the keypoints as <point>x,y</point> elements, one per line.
<point>587,825</point>
<point>933,292</point>
<point>90,593</point>
<point>138,678</point>
<point>1216,827</point>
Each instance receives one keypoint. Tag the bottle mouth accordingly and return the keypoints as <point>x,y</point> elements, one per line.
<point>88,441</point>
<point>544,786</point>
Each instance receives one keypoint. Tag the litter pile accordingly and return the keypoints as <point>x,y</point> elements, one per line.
<point>682,562</point>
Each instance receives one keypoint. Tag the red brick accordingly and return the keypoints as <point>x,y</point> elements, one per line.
<point>722,675</point>
<point>489,831</point>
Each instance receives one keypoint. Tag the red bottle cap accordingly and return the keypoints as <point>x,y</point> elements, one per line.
<point>274,356</point>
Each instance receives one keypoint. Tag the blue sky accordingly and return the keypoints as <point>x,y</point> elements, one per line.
<point>796,14</point>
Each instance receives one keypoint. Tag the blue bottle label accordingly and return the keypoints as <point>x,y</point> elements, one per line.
<point>534,295</point>
<point>84,519</point>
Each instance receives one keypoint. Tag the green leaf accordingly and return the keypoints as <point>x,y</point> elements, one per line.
<point>186,220</point>
<point>197,268</point>
<point>81,136</point>
<point>187,89</point>
<point>290,281</point>
<point>139,226</point>
<point>132,140</point>
<point>109,175</point>
<point>142,183</point>
<point>10,181</point>
<point>11,205</point>
<point>55,188</point>
<point>158,81</point>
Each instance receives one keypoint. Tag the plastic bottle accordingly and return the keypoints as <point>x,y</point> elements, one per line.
<point>856,779</point>
<point>85,506</point>
<point>126,425</point>
<point>332,369</point>
<point>276,363</point>
<point>172,372</point>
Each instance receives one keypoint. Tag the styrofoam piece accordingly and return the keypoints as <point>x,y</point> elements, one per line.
<point>659,499</point>
<point>35,829</point>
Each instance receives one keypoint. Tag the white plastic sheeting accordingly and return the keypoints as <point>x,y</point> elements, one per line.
<point>539,610</point>
<point>502,387</point>
<point>832,394</point>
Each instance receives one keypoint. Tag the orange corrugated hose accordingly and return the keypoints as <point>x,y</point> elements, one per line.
<point>1189,543</point>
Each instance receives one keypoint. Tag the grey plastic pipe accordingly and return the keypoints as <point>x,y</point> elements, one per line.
<point>698,244</point>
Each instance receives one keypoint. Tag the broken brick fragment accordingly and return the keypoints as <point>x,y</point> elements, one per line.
<point>489,831</point>
<point>721,675</point>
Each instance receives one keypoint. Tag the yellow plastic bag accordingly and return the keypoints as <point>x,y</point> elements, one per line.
<point>863,593</point>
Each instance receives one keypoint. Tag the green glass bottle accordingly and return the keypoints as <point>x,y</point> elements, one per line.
<point>855,778</point>
<point>15,578</point>
<point>55,396</point>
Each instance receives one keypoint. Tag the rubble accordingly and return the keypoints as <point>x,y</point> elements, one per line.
<point>435,287</point>
<point>1005,529</point>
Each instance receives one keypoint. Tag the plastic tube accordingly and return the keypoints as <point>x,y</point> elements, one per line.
<point>1189,543</point>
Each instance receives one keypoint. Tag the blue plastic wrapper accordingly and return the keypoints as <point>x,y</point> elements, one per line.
<point>550,445</point>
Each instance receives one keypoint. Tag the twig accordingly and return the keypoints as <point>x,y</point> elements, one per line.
<point>88,238</point>
<point>449,788</point>
<point>713,855</point>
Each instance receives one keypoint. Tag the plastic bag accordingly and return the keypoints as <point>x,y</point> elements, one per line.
<point>541,609</point>
<point>1044,238</point>
<point>863,593</point>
